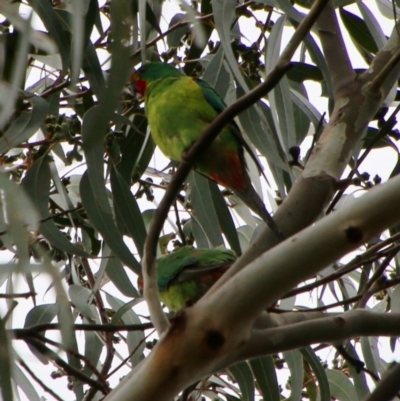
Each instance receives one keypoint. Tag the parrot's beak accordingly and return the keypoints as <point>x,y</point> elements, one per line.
<point>138,85</point>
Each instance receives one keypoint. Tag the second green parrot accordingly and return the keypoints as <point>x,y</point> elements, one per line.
<point>186,274</point>
<point>179,108</point>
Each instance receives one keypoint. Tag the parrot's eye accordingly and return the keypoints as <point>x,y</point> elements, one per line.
<point>141,70</point>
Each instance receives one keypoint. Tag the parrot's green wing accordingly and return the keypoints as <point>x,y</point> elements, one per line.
<point>219,105</point>
<point>212,96</point>
<point>188,263</point>
<point>207,262</point>
<point>185,275</point>
<point>169,266</point>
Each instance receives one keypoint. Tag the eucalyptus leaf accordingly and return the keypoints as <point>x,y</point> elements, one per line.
<point>244,376</point>
<point>340,386</point>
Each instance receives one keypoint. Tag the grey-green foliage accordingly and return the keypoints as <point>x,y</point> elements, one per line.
<point>77,188</point>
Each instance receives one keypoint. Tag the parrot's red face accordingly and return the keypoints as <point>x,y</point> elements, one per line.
<point>138,85</point>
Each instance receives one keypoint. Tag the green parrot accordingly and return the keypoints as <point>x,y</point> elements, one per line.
<point>186,274</point>
<point>179,108</point>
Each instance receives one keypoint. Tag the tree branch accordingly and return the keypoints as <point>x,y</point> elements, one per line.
<point>388,387</point>
<point>331,329</point>
<point>335,50</point>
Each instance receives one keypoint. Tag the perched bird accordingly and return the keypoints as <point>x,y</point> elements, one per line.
<point>179,108</point>
<point>186,274</point>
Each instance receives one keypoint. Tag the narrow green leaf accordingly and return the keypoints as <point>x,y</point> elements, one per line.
<point>80,9</point>
<point>44,313</point>
<point>101,217</point>
<point>258,133</point>
<point>135,339</point>
<point>301,72</point>
<point>217,75</point>
<point>198,46</point>
<point>37,184</point>
<point>224,14</point>
<point>52,23</point>
<point>386,8</point>
<point>265,374</point>
<point>25,384</point>
<point>225,219</point>
<point>279,97</point>
<point>358,31</point>
<point>294,360</point>
<point>25,125</point>
<point>80,298</point>
<point>93,350</point>
<point>319,371</point>
<point>127,211</point>
<point>40,314</point>
<point>301,117</point>
<point>198,233</point>
<point>359,378</point>
<point>308,108</point>
<point>318,58</point>
<point>95,125</point>
<point>120,279</point>
<point>96,120</point>
<point>93,72</point>
<point>242,373</point>
<point>370,354</point>
<point>124,309</point>
<point>151,17</point>
<point>19,213</point>
<point>372,25</point>
<point>174,38</point>
<point>135,151</point>
<point>340,386</point>
<point>14,70</point>
<point>204,209</point>
<point>92,14</point>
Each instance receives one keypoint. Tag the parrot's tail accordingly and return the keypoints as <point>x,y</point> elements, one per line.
<point>251,198</point>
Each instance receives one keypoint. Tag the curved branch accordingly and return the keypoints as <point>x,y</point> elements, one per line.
<point>330,329</point>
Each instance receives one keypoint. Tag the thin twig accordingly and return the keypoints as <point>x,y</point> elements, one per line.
<point>104,319</point>
<point>21,295</point>
<point>65,365</point>
<point>383,131</point>
<point>124,361</point>
<point>184,23</point>
<point>21,334</point>
<point>374,279</point>
<point>179,225</point>
<point>37,380</point>
<point>352,265</point>
<point>94,370</point>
